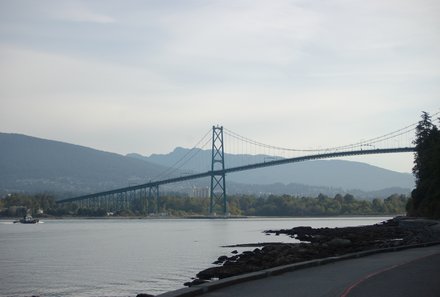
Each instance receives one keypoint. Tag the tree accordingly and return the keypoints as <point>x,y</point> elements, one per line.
<point>425,198</point>
<point>30,203</point>
<point>378,205</point>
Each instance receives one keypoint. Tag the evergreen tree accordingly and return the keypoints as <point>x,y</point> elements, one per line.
<point>425,198</point>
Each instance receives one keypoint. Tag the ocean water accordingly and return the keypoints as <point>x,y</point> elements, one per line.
<point>124,257</point>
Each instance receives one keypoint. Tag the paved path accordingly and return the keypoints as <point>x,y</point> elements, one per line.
<point>407,273</point>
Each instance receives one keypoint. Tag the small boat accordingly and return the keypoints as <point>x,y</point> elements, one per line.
<point>28,220</point>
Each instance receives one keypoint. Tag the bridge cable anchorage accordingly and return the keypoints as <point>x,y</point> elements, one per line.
<point>193,152</point>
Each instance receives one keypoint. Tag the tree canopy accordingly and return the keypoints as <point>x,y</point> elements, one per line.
<point>247,205</point>
<point>425,198</point>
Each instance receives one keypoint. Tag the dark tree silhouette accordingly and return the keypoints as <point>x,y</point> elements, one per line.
<point>425,198</point>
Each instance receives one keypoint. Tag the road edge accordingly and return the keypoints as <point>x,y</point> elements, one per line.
<point>218,284</point>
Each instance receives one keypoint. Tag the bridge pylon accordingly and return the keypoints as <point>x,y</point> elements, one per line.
<point>153,194</point>
<point>218,181</point>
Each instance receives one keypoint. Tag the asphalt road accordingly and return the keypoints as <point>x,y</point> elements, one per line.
<point>408,273</point>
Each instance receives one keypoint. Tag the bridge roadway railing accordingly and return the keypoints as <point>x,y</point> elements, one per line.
<point>240,168</point>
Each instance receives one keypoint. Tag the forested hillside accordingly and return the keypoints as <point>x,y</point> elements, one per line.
<point>30,164</point>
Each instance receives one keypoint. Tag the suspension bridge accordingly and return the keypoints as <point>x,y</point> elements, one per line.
<point>259,155</point>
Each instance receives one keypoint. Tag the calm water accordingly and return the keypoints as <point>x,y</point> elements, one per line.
<point>115,257</point>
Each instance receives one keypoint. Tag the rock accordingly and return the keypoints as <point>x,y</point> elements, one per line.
<point>222,258</point>
<point>208,273</point>
<point>198,282</point>
<point>338,242</point>
<point>195,282</point>
<point>234,258</point>
<point>321,243</point>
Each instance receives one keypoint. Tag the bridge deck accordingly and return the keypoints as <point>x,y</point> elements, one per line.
<point>241,168</point>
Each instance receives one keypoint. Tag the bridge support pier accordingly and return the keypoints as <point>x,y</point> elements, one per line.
<point>218,181</point>
<point>143,197</point>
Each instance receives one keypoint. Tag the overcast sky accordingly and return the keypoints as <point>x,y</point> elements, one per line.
<point>147,76</point>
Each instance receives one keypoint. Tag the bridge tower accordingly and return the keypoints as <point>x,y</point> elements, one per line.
<point>153,193</point>
<point>218,182</point>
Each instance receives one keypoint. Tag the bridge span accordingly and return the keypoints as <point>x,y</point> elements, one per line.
<point>121,197</point>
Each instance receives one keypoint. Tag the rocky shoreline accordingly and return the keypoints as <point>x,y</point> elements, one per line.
<point>316,243</point>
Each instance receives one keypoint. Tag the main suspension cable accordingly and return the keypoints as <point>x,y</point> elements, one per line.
<point>173,168</point>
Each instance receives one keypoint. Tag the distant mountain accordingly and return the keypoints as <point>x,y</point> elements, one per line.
<point>347,175</point>
<point>29,164</point>
<point>322,176</point>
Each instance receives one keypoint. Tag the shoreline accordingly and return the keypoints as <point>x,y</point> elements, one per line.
<point>202,217</point>
<point>262,241</point>
<point>319,243</point>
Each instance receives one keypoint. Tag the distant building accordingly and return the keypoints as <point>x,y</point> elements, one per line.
<point>200,192</point>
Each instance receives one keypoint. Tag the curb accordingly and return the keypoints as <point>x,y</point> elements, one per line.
<point>215,285</point>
